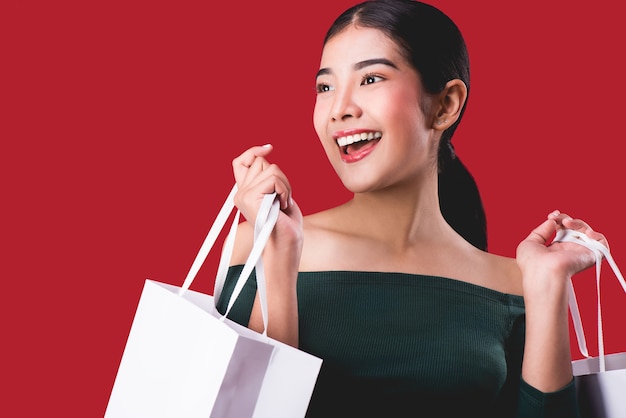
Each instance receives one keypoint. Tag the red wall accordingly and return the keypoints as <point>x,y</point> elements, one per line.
<point>121,120</point>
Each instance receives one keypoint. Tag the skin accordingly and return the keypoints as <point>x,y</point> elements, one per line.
<point>393,222</point>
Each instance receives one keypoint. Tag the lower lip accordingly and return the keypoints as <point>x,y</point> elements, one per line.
<point>359,155</point>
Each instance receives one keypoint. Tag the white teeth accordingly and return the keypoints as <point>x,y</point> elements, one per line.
<point>351,139</point>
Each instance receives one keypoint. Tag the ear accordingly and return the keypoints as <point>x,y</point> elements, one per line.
<point>449,104</point>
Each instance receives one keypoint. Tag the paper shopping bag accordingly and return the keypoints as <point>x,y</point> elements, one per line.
<point>601,394</point>
<point>600,381</point>
<point>181,360</point>
<point>184,359</point>
<point>288,383</point>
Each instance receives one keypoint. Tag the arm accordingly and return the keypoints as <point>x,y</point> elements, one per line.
<point>546,270</point>
<point>255,176</point>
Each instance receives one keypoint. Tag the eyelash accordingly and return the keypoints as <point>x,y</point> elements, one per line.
<point>323,88</point>
<point>371,75</point>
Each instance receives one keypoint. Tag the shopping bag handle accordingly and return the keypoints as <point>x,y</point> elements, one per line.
<point>209,241</point>
<point>264,224</point>
<point>600,251</point>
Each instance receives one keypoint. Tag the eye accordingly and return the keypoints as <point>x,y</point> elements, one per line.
<point>371,79</point>
<point>323,88</point>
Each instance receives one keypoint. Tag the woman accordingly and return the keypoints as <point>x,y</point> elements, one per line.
<point>394,289</point>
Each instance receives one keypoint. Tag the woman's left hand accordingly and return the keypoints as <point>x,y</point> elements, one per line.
<point>546,268</point>
<point>537,258</point>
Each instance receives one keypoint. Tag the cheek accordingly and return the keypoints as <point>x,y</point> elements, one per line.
<point>319,119</point>
<point>403,103</point>
<point>404,112</point>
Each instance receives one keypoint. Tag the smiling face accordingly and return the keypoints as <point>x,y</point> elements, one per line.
<point>369,112</point>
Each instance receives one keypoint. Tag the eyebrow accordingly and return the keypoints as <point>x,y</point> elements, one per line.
<point>360,65</point>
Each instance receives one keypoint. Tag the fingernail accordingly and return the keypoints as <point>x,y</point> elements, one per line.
<point>267,145</point>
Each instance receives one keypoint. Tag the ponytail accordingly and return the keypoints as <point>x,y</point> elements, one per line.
<point>459,198</point>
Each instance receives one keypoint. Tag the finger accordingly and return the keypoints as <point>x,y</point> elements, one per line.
<point>264,178</point>
<point>585,228</point>
<point>293,211</point>
<point>565,221</point>
<point>542,233</point>
<point>243,162</point>
<point>284,194</point>
<point>258,165</point>
<point>274,181</point>
<point>247,157</point>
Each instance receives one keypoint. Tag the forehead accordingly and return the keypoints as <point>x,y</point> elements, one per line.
<point>356,44</point>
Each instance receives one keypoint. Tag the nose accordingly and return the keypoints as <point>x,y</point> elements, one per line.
<point>344,106</point>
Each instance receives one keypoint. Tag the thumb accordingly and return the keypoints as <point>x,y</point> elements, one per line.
<point>542,233</point>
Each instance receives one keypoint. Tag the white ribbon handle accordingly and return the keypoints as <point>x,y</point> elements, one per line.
<point>209,241</point>
<point>265,221</point>
<point>264,224</point>
<point>568,235</point>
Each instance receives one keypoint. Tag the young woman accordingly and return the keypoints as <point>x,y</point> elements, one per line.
<point>395,289</point>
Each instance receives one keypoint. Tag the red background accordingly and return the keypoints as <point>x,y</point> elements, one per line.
<point>120,119</point>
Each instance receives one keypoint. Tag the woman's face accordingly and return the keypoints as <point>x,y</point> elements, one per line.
<point>367,112</point>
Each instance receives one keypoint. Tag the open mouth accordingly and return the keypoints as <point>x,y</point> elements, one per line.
<point>353,143</point>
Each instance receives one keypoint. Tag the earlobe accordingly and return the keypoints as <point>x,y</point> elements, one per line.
<point>452,100</point>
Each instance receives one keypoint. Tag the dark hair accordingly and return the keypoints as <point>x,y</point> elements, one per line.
<point>434,46</point>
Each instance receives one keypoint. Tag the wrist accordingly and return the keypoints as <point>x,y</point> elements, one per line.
<point>545,289</point>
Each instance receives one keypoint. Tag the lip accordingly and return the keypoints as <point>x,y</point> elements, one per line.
<point>357,156</point>
<point>347,132</point>
<point>362,152</point>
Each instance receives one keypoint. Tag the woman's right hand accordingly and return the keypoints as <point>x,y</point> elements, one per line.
<point>256,177</point>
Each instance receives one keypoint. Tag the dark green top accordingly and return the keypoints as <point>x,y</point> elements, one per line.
<point>403,345</point>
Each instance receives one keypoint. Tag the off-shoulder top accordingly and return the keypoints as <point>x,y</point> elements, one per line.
<point>406,345</point>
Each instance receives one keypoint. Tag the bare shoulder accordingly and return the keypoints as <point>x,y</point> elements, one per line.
<point>336,239</point>
<point>501,273</point>
<point>318,230</point>
<point>327,242</point>
<point>332,242</point>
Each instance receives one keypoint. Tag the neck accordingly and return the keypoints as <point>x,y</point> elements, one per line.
<point>401,216</point>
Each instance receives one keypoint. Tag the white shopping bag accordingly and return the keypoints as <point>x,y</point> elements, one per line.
<point>184,359</point>
<point>601,394</point>
<point>181,360</point>
<point>600,381</point>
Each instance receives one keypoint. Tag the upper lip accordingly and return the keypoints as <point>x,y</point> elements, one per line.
<point>349,136</point>
<point>353,131</point>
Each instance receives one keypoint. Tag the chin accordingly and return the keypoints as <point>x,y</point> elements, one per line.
<point>357,186</point>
